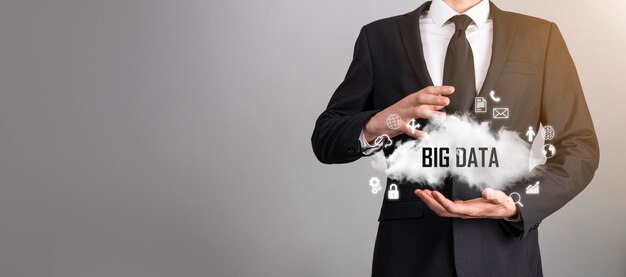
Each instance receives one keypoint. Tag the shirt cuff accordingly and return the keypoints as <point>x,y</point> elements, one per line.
<point>366,148</point>
<point>517,218</point>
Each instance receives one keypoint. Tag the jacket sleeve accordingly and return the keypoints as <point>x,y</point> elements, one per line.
<point>564,108</point>
<point>335,138</point>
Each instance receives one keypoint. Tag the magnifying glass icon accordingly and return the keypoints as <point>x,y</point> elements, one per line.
<point>519,198</point>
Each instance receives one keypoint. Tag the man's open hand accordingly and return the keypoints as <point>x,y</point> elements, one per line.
<point>494,204</point>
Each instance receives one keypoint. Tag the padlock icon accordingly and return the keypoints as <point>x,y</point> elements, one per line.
<point>393,193</point>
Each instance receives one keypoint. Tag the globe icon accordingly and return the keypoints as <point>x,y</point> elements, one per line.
<point>549,150</point>
<point>394,121</point>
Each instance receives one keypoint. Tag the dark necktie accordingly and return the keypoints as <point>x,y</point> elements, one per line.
<point>458,70</point>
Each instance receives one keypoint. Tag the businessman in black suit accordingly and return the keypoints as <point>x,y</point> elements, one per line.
<point>467,48</point>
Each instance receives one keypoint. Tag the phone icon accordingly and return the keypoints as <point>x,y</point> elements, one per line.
<point>493,96</point>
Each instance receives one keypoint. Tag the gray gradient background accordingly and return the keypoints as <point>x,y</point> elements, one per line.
<point>171,138</point>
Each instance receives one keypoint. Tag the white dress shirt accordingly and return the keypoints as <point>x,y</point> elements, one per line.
<point>436,32</point>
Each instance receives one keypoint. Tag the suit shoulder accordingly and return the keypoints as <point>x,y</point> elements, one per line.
<point>530,21</point>
<point>383,24</point>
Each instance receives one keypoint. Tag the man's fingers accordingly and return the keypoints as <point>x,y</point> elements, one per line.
<point>458,208</point>
<point>433,107</point>
<point>438,90</point>
<point>427,198</point>
<point>414,133</point>
<point>432,203</point>
<point>431,99</point>
<point>489,194</point>
<point>482,207</point>
<point>427,113</point>
<point>452,207</point>
<point>495,196</point>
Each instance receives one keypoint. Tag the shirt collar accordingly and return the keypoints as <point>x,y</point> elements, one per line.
<point>441,12</point>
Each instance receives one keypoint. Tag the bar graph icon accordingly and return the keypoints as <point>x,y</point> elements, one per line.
<point>533,189</point>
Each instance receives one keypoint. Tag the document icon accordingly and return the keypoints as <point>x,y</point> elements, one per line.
<point>533,189</point>
<point>500,113</point>
<point>480,105</point>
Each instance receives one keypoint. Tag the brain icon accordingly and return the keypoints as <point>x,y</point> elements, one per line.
<point>548,132</point>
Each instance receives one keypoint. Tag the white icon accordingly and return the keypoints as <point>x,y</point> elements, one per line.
<point>480,105</point>
<point>500,113</point>
<point>533,189</point>
<point>375,184</point>
<point>383,140</point>
<point>493,96</point>
<point>414,125</point>
<point>549,150</point>
<point>394,121</point>
<point>519,198</point>
<point>530,134</point>
<point>548,132</point>
<point>393,193</point>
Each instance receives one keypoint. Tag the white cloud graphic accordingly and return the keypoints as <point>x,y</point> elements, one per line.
<point>405,164</point>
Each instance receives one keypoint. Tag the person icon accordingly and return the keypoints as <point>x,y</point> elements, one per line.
<point>530,134</point>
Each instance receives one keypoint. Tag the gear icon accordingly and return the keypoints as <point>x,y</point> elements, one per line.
<point>375,184</point>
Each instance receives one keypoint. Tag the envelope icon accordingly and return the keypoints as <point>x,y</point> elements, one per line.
<point>500,113</point>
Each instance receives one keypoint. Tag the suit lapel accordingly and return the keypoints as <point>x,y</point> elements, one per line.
<point>503,33</point>
<point>412,41</point>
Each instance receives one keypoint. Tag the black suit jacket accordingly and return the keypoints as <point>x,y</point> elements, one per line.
<point>533,73</point>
